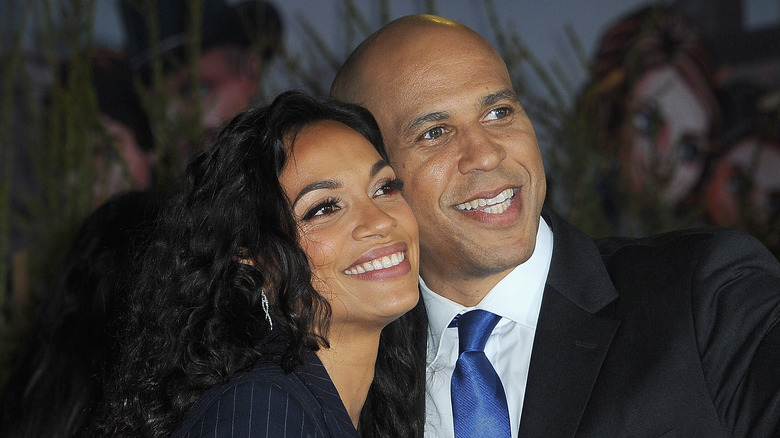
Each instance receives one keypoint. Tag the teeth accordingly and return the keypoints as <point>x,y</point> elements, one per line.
<point>496,205</point>
<point>377,264</point>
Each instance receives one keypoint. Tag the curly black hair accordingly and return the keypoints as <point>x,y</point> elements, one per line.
<point>196,318</point>
<point>58,378</point>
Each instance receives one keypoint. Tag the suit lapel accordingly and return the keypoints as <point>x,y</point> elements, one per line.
<point>335,416</point>
<point>574,332</point>
<point>568,351</point>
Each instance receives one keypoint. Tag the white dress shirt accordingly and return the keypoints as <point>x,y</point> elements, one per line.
<point>517,298</point>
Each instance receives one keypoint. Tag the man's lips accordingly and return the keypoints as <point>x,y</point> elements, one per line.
<point>495,205</point>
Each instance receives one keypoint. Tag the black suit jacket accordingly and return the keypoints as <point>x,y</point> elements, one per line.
<point>671,335</point>
<point>266,402</point>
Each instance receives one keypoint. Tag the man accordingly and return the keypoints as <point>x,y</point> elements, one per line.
<point>237,41</point>
<point>672,335</point>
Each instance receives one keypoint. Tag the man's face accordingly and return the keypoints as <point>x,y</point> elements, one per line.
<point>224,88</point>
<point>465,149</point>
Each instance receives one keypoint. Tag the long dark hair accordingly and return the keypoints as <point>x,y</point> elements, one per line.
<point>196,319</point>
<point>650,37</point>
<point>57,381</point>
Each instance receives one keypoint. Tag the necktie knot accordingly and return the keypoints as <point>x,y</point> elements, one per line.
<point>474,329</point>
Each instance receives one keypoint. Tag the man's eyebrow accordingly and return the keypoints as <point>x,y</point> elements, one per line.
<point>418,121</point>
<point>319,185</point>
<point>493,98</point>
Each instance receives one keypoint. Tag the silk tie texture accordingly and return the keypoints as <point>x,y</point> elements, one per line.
<point>479,406</point>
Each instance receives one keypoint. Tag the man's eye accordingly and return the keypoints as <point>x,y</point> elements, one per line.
<point>433,133</point>
<point>205,88</point>
<point>498,113</point>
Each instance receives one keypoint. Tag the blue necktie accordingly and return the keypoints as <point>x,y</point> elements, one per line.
<point>479,406</point>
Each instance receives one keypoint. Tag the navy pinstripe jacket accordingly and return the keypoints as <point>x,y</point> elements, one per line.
<point>266,402</point>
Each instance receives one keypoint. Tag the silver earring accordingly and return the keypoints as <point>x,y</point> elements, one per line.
<point>264,302</point>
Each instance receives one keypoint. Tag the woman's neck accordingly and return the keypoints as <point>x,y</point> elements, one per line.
<point>350,363</point>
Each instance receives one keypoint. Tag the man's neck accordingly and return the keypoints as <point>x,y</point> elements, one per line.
<point>467,291</point>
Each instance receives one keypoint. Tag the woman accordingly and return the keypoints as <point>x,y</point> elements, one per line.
<point>271,302</point>
<point>743,187</point>
<point>57,381</point>
<point>654,82</point>
<point>651,101</point>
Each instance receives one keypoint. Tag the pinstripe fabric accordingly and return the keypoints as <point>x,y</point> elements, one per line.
<point>265,402</point>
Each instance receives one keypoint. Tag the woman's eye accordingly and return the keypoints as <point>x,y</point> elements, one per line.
<point>325,208</point>
<point>433,133</point>
<point>647,121</point>
<point>689,151</point>
<point>389,187</point>
<point>773,204</point>
<point>739,183</point>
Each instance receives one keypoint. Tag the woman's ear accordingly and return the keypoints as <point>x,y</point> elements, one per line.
<point>243,257</point>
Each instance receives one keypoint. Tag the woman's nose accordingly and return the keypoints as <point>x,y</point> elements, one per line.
<point>373,221</point>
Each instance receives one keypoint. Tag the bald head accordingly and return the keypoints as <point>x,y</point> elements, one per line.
<point>394,47</point>
<point>404,59</point>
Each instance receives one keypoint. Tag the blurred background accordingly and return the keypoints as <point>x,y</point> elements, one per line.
<point>651,115</point>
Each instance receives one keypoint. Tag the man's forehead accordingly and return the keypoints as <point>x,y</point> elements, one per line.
<point>406,112</point>
<point>413,47</point>
<point>406,79</point>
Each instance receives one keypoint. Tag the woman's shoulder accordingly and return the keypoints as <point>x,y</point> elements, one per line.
<point>264,401</point>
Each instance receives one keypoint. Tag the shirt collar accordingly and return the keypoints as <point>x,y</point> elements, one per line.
<point>517,297</point>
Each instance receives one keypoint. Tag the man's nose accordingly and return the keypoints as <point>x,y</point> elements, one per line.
<point>479,152</point>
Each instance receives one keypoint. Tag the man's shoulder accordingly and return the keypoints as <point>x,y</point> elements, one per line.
<point>683,241</point>
<point>663,263</point>
<point>706,241</point>
<point>706,262</point>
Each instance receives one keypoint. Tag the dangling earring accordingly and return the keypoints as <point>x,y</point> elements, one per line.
<point>264,302</point>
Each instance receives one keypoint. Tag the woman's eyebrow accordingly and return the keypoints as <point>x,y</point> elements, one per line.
<point>332,184</point>
<point>319,185</point>
<point>379,165</point>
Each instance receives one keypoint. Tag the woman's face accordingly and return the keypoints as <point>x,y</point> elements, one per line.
<point>745,185</point>
<point>357,230</point>
<point>666,143</point>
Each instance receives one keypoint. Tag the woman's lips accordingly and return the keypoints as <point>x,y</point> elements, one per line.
<point>378,259</point>
<point>384,262</point>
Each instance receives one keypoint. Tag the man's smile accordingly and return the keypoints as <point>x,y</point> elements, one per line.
<point>495,205</point>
